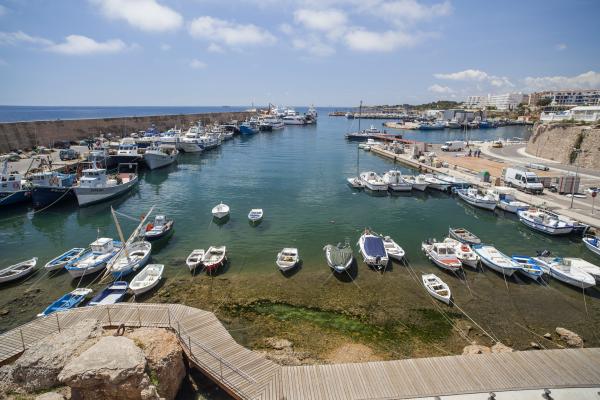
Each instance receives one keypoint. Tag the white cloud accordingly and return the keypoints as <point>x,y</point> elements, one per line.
<point>15,38</point>
<point>215,48</point>
<point>229,33</point>
<point>197,64</point>
<point>475,75</point>
<point>165,47</point>
<point>410,11</point>
<point>147,15</point>
<point>364,40</point>
<point>561,46</point>
<point>313,46</point>
<point>330,20</point>
<point>80,45</point>
<point>587,80</point>
<point>439,89</point>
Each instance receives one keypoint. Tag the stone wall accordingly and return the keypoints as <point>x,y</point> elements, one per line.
<point>25,135</point>
<point>556,141</point>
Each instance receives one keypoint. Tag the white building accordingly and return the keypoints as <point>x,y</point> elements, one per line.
<point>567,97</point>
<point>476,102</point>
<point>580,113</point>
<point>507,101</point>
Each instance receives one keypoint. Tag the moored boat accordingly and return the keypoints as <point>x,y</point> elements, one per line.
<point>417,182</point>
<point>194,260</point>
<point>95,258</point>
<point>68,256</point>
<point>146,279</point>
<point>592,243</point>
<point>441,254</point>
<point>133,257</point>
<point>111,294</point>
<point>373,251</point>
<point>127,152</point>
<point>463,236</point>
<point>159,228</point>
<point>373,182</point>
<point>51,187</point>
<point>95,186</point>
<point>474,198</point>
<point>340,257</point>
<point>255,215</point>
<point>67,302</point>
<point>160,155</point>
<point>395,181</point>
<point>393,249</point>
<point>529,267</point>
<point>220,210</point>
<point>13,189</point>
<point>506,200</point>
<point>565,272</point>
<point>436,183</point>
<point>437,288</point>
<point>544,222</point>
<point>214,257</point>
<point>494,259</point>
<point>464,253</point>
<point>18,271</point>
<point>287,259</point>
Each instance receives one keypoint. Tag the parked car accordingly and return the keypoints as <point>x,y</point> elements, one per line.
<point>592,189</point>
<point>454,145</point>
<point>68,154</point>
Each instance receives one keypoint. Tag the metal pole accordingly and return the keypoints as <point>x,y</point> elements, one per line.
<point>139,317</point>
<point>57,323</point>
<point>577,151</point>
<point>22,340</point>
<point>169,316</point>
<point>190,345</point>
<point>108,312</point>
<point>178,329</point>
<point>221,367</point>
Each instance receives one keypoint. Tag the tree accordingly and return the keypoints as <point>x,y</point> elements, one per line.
<point>543,102</point>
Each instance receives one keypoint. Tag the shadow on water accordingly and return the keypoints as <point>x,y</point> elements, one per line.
<point>348,275</point>
<point>221,221</point>
<point>291,272</point>
<point>159,244</point>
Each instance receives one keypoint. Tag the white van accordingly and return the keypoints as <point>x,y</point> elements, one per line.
<point>454,145</point>
<point>523,180</point>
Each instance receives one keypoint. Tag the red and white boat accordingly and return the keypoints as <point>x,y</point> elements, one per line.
<point>442,255</point>
<point>214,257</point>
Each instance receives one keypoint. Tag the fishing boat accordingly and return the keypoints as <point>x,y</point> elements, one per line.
<point>474,198</point>
<point>192,140</point>
<point>65,258</point>
<point>94,259</point>
<point>373,251</point>
<point>464,253</point>
<point>592,243</point>
<point>220,211</point>
<point>580,263</point>
<point>544,222</point>
<point>355,182</point>
<point>395,181</point>
<point>51,187</point>
<point>18,271</point>
<point>496,260</point>
<point>463,236</point>
<point>393,249</point>
<point>287,259</point>
<point>160,155</point>
<point>565,272</point>
<point>194,260</point>
<point>455,183</point>
<point>293,118</point>
<point>248,128</point>
<point>146,279</point>
<point>340,257</point>
<point>214,257</point>
<point>133,257</point>
<point>159,228</point>
<point>441,254</point>
<point>95,186</point>
<point>436,183</point>
<point>255,215</point>
<point>529,267</point>
<point>13,189</point>
<point>373,182</point>
<point>67,302</point>
<point>127,152</point>
<point>437,288</point>
<point>417,182</point>
<point>111,294</point>
<point>506,200</point>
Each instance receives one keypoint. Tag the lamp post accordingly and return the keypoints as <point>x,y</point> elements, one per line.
<point>577,151</point>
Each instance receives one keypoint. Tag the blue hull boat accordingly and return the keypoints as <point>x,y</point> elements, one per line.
<point>529,267</point>
<point>65,258</point>
<point>12,198</point>
<point>111,294</point>
<point>247,129</point>
<point>66,302</point>
<point>46,196</point>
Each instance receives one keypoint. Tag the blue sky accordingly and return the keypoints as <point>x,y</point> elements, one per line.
<point>326,52</point>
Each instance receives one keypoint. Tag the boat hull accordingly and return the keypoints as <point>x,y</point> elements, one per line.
<point>45,196</point>
<point>590,245</point>
<point>400,187</point>
<point>246,130</point>
<point>154,161</point>
<point>122,159</point>
<point>545,228</point>
<point>13,198</point>
<point>190,147</point>
<point>89,196</point>
<point>508,207</point>
<point>484,204</point>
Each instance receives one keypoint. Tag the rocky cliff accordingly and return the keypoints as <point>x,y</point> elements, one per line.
<point>556,142</point>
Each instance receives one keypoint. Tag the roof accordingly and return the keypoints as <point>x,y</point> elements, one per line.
<point>585,108</point>
<point>101,241</point>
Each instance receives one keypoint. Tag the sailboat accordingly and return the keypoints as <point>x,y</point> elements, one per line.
<point>355,182</point>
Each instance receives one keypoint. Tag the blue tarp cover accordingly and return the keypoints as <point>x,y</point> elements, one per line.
<point>374,246</point>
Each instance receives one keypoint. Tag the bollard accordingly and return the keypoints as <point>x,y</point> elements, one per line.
<point>57,322</point>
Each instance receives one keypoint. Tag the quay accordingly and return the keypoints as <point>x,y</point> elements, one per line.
<point>245,374</point>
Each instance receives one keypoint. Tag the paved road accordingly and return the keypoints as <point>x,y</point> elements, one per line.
<point>24,164</point>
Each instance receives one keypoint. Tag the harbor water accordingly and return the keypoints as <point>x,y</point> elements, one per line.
<point>298,176</point>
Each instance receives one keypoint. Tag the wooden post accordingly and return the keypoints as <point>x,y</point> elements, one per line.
<point>57,322</point>
<point>22,340</point>
<point>108,312</point>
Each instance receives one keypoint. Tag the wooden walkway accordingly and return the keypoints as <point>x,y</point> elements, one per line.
<point>247,375</point>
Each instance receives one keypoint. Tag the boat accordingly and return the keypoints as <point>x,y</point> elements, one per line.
<point>417,182</point>
<point>220,210</point>
<point>133,257</point>
<point>146,279</point>
<point>68,256</point>
<point>529,267</point>
<point>340,257</point>
<point>13,189</point>
<point>393,249</point>
<point>17,271</point>
<point>214,257</point>
<point>287,259</point>
<point>474,198</point>
<point>111,294</point>
<point>506,200</point>
<point>159,228</point>
<point>463,236</point>
<point>95,186</point>
<point>67,302</point>
<point>101,251</point>
<point>455,183</point>
<point>496,260</point>
<point>373,182</point>
<point>355,182</point>
<point>161,155</point>
<point>592,243</point>
<point>395,181</point>
<point>544,222</point>
<point>565,272</point>
<point>373,251</point>
<point>192,141</point>
<point>51,187</point>
<point>436,183</point>
<point>194,260</point>
<point>582,264</point>
<point>291,117</point>
<point>255,215</point>
<point>464,253</point>
<point>100,155</point>
<point>127,153</point>
<point>441,254</point>
<point>437,288</point>
<point>248,128</point>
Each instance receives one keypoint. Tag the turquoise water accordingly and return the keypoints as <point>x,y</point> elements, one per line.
<point>296,175</point>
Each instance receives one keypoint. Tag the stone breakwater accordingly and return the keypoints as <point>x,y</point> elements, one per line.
<point>556,142</point>
<point>25,135</point>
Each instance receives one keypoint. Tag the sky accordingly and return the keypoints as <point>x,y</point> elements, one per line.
<point>291,52</point>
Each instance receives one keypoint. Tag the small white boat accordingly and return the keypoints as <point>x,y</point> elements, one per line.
<point>393,249</point>
<point>160,156</point>
<point>464,253</point>
<point>474,198</point>
<point>220,211</point>
<point>582,264</point>
<point>355,182</point>
<point>506,200</point>
<point>101,251</point>
<point>287,259</point>
<point>592,243</point>
<point>436,183</point>
<point>463,236</point>
<point>565,272</point>
<point>133,257</point>
<point>373,251</point>
<point>496,260</point>
<point>437,288</point>
<point>65,258</point>
<point>194,260</point>
<point>442,255</point>
<point>417,182</point>
<point>214,257</point>
<point>17,271</point>
<point>146,279</point>
<point>395,181</point>
<point>373,182</point>
<point>111,294</point>
<point>544,222</point>
<point>529,267</point>
<point>340,257</point>
<point>160,227</point>
<point>255,215</point>
<point>95,186</point>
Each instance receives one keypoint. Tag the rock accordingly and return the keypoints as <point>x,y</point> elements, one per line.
<point>571,338</point>
<point>501,348</point>
<point>50,396</point>
<point>4,312</point>
<point>476,349</point>
<point>112,368</point>
<point>39,366</point>
<point>535,345</point>
<point>278,344</point>
<point>164,357</point>
<point>548,335</point>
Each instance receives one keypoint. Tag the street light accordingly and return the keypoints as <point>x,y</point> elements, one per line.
<point>577,151</point>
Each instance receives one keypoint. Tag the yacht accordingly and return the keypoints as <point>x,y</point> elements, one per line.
<point>160,155</point>
<point>13,189</point>
<point>96,186</point>
<point>294,120</point>
<point>373,182</point>
<point>127,152</point>
<point>192,140</point>
<point>311,115</point>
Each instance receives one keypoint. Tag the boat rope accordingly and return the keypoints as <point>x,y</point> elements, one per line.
<point>127,216</point>
<point>34,212</point>
<point>36,281</point>
<point>540,336</point>
<point>494,338</point>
